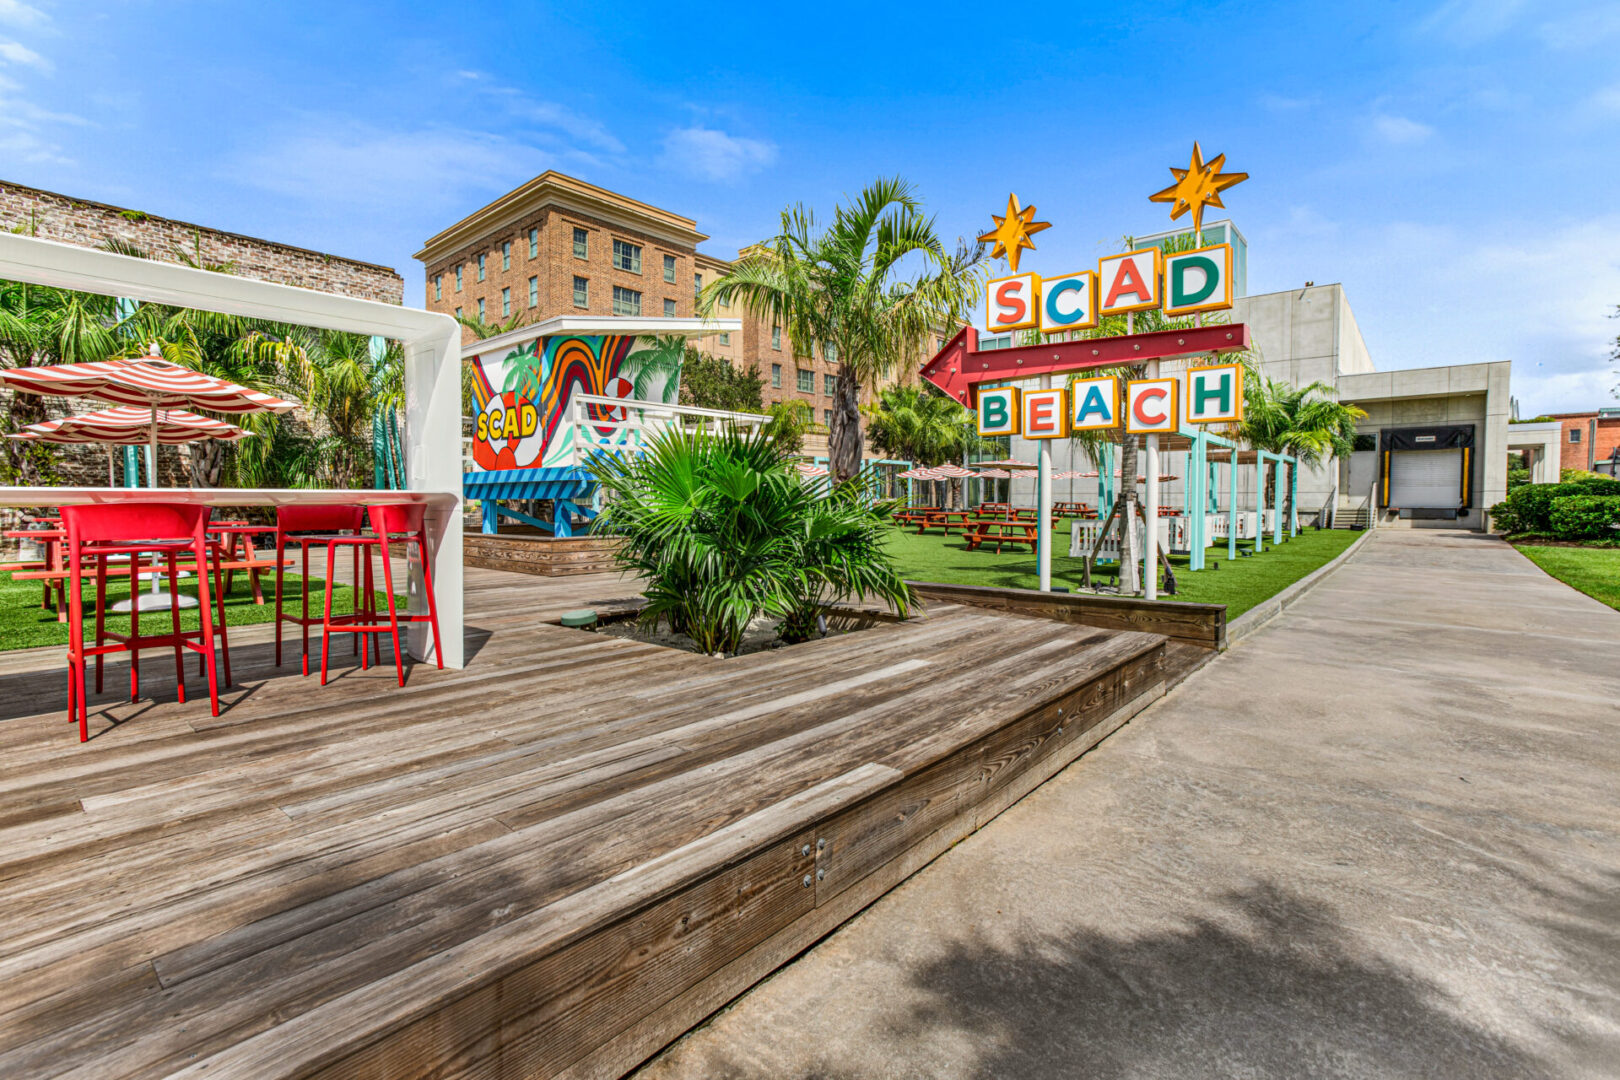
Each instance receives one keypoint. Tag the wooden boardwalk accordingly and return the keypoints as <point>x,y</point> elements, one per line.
<point>550,863</point>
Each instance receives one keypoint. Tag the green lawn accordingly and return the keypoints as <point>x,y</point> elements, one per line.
<point>24,625</point>
<point>1239,585</point>
<point>1595,571</point>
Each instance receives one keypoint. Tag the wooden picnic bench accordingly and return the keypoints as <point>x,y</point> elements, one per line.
<point>913,515</point>
<point>1002,532</point>
<point>1073,509</point>
<point>946,519</point>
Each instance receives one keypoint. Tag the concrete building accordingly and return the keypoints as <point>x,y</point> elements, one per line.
<point>559,246</point>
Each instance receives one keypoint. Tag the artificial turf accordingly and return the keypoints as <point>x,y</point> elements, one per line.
<point>1238,584</point>
<point>25,625</point>
<point>1595,571</point>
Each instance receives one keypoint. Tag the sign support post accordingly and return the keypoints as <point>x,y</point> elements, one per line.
<point>1150,511</point>
<point>1043,507</point>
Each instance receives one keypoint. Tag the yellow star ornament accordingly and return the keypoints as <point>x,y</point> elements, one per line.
<point>1197,186</point>
<point>1011,234</point>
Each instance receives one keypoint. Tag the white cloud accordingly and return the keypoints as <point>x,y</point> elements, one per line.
<point>1399,130</point>
<point>22,145</point>
<point>1606,100</point>
<point>17,13</point>
<point>1469,22</point>
<point>1581,29</point>
<point>546,114</point>
<point>392,173</point>
<point>714,155</point>
<point>13,53</point>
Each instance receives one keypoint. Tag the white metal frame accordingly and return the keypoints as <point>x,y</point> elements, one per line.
<point>432,345</point>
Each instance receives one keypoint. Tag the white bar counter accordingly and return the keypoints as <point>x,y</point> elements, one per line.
<point>442,519</point>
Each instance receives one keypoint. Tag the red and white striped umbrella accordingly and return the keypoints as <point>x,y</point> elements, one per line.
<point>1071,474</point>
<point>994,474</point>
<point>148,381</point>
<point>807,469</point>
<point>951,472</point>
<point>127,425</point>
<point>920,473</point>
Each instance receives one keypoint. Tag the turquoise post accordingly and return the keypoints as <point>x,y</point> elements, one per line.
<point>1293,499</point>
<point>1259,501</point>
<point>1231,507</point>
<point>1277,502</point>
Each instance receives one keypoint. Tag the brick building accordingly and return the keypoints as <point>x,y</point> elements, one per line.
<point>560,246</point>
<point>52,216</point>
<point>1587,438</point>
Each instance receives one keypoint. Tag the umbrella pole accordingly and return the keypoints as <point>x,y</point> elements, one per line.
<point>112,477</point>
<point>151,451</point>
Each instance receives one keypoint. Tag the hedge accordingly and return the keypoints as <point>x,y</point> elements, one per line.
<point>1530,508</point>
<point>1586,517</point>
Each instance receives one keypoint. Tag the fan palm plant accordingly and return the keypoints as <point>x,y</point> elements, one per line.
<point>875,285</point>
<point>790,421</point>
<point>921,425</point>
<point>722,531</point>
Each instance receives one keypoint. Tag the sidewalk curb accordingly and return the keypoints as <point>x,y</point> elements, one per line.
<point>1263,612</point>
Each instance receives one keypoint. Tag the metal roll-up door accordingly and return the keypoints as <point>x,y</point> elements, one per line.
<point>1425,478</point>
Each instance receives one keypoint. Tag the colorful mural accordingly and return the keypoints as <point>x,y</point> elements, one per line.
<point>522,394</point>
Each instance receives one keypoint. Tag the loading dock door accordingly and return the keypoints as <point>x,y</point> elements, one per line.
<point>1425,478</point>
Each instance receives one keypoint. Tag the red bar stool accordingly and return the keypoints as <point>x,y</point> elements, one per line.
<point>323,525</point>
<point>133,531</point>
<point>395,521</point>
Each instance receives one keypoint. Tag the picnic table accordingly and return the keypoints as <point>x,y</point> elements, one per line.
<point>1073,509</point>
<point>1002,532</point>
<point>994,508</point>
<point>946,519</point>
<point>913,515</point>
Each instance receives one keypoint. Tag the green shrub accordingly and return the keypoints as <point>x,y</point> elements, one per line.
<point>722,529</point>
<point>1585,517</point>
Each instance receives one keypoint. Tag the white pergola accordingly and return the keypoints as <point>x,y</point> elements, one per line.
<point>432,345</point>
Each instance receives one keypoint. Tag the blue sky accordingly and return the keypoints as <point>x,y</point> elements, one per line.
<point>1452,164</point>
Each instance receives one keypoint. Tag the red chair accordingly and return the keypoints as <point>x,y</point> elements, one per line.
<point>326,524</point>
<point>133,531</point>
<point>402,522</point>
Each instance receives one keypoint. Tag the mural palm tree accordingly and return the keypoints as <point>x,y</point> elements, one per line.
<point>655,369</point>
<point>876,285</point>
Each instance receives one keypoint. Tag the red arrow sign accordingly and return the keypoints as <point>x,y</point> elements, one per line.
<point>960,366</point>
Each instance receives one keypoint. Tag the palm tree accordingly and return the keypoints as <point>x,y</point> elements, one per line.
<point>790,421</point>
<point>1302,421</point>
<point>875,285</point>
<point>921,425</point>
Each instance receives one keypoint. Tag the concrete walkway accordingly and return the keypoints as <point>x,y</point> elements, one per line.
<point>1380,837</point>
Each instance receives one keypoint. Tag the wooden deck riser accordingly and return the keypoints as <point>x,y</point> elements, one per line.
<point>551,863</point>
<point>544,556</point>
<point>652,975</point>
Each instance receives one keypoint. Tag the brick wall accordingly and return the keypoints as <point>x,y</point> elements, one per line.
<point>78,221</point>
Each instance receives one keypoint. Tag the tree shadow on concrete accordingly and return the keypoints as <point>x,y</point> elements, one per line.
<point>1275,988</point>
<point>1270,986</point>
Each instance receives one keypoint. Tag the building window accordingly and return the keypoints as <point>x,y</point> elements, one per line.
<point>725,337</point>
<point>480,309</point>
<point>438,286</point>
<point>776,338</point>
<point>534,292</point>
<point>807,381</point>
<point>826,417</point>
<point>582,292</point>
<point>534,243</point>
<point>506,254</point>
<point>669,268</point>
<point>458,279</point>
<point>697,285</point>
<point>626,301</point>
<point>669,309</point>
<point>1574,434</point>
<point>776,376</point>
<point>627,256</point>
<point>829,352</point>
<point>481,267</point>
<point>506,303</point>
<point>829,385</point>
<point>582,244</point>
<point>458,313</point>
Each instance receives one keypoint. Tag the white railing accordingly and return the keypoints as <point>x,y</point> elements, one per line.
<point>626,425</point>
